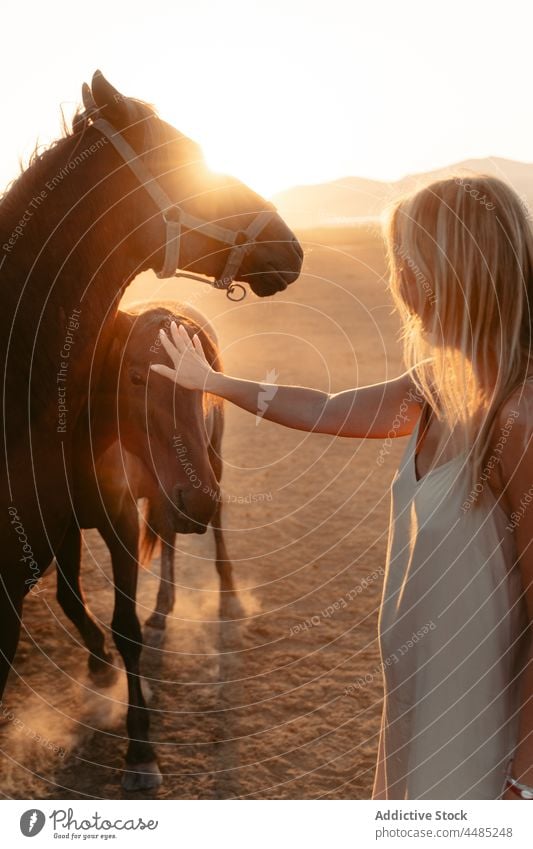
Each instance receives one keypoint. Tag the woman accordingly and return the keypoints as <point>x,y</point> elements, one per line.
<point>458,594</point>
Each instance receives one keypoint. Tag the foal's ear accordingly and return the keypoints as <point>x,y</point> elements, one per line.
<point>112,105</point>
<point>123,325</point>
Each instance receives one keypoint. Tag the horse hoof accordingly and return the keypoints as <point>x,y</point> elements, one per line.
<point>104,677</point>
<point>142,777</point>
<point>101,671</point>
<point>230,607</point>
<point>153,637</point>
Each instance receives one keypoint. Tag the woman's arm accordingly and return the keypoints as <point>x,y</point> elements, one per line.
<point>383,409</point>
<point>517,477</point>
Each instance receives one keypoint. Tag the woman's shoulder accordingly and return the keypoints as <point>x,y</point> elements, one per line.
<point>516,413</point>
<point>512,442</point>
<point>516,471</point>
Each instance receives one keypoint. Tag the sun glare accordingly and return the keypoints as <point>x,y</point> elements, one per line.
<point>295,93</point>
<point>264,177</point>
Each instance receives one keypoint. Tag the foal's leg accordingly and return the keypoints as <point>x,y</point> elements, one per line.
<point>70,597</point>
<point>223,563</point>
<point>154,627</point>
<point>142,771</point>
<point>229,606</point>
<point>229,602</point>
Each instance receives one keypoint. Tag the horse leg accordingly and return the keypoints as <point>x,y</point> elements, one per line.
<point>230,606</point>
<point>142,771</point>
<point>229,603</point>
<point>71,599</point>
<point>11,597</point>
<point>154,627</point>
<point>223,563</point>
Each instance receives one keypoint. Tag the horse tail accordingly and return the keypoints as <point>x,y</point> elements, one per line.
<point>149,540</point>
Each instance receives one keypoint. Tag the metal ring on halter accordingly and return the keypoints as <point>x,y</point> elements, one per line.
<point>232,288</point>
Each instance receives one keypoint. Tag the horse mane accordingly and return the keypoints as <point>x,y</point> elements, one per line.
<point>179,310</point>
<point>42,154</point>
<point>149,539</point>
<point>34,174</point>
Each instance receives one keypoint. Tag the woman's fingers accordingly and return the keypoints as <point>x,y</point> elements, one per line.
<point>180,337</point>
<point>172,350</point>
<point>176,338</point>
<point>166,371</point>
<point>186,354</point>
<point>198,346</point>
<point>183,334</point>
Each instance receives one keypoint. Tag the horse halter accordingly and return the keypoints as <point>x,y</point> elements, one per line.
<point>241,242</point>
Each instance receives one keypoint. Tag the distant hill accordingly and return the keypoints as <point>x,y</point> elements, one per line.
<point>345,201</point>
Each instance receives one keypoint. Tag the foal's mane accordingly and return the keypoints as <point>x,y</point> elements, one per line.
<point>179,311</point>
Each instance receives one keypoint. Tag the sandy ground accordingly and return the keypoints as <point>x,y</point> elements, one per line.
<point>255,707</point>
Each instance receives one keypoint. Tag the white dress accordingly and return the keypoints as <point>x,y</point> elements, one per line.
<point>451,631</point>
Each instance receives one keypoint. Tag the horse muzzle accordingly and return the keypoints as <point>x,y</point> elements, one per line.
<point>272,267</point>
<point>192,509</point>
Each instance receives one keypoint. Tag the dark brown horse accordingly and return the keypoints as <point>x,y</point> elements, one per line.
<point>146,438</point>
<point>75,229</point>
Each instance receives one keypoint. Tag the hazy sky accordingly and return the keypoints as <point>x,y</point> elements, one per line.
<point>282,93</point>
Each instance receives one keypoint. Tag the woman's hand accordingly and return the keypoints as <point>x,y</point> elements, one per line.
<point>191,368</point>
<point>368,411</point>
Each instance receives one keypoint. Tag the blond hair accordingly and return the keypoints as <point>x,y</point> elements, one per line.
<point>460,252</point>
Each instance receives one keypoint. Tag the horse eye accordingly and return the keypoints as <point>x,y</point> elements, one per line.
<point>136,378</point>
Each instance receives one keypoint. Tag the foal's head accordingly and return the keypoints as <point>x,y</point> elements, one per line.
<point>162,423</point>
<point>178,166</point>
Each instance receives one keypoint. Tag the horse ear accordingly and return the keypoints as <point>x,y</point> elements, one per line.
<point>88,99</point>
<point>112,105</point>
<point>122,325</point>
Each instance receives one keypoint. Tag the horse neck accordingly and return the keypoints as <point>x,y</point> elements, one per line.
<point>74,250</point>
<point>70,227</point>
